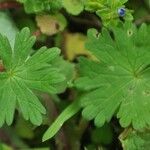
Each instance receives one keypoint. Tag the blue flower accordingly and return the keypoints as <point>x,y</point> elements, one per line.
<point>121,12</point>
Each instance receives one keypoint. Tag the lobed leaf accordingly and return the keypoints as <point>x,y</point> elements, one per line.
<point>119,80</point>
<point>23,73</point>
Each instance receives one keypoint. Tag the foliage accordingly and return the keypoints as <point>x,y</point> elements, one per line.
<point>108,10</point>
<point>23,73</point>
<point>65,115</point>
<point>136,141</point>
<point>120,76</point>
<point>76,73</point>
<point>32,6</point>
<point>73,7</point>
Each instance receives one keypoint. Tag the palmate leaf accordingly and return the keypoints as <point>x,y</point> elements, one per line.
<point>24,73</point>
<point>119,82</point>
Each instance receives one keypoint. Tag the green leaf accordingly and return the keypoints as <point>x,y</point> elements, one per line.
<point>70,111</point>
<point>103,135</point>
<point>21,51</point>
<point>7,103</point>
<point>5,147</point>
<point>107,10</point>
<point>119,81</point>
<point>73,7</point>
<point>136,141</point>
<point>32,6</point>
<point>23,129</point>
<point>68,70</point>
<point>147,2</point>
<point>5,51</point>
<point>7,27</point>
<point>24,73</point>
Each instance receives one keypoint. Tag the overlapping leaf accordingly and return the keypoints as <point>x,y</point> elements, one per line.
<point>119,82</point>
<point>136,141</point>
<point>11,29</point>
<point>24,73</point>
<point>32,6</point>
<point>108,10</point>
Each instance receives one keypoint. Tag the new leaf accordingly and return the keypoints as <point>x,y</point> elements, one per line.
<point>119,82</point>
<point>24,73</point>
<point>108,10</point>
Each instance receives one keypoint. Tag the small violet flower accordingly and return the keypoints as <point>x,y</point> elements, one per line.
<point>121,12</point>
